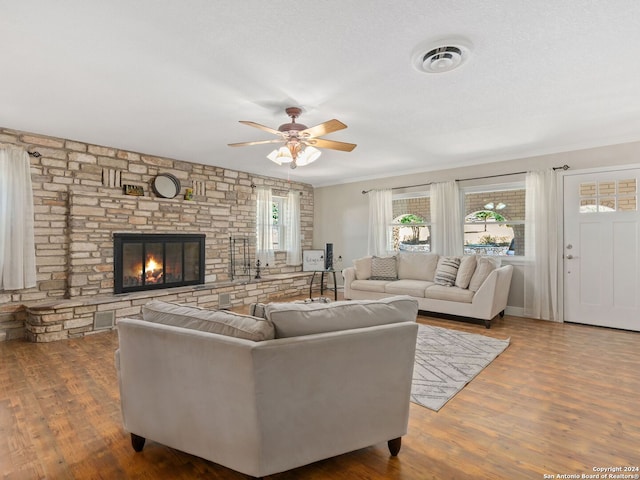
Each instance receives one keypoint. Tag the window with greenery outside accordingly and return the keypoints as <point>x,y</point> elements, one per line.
<point>487,233</point>
<point>410,232</point>
<point>277,233</point>
<point>494,220</point>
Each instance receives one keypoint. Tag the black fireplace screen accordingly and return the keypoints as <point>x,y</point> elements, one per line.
<point>150,261</point>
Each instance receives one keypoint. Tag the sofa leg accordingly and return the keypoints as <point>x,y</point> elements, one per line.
<point>394,446</point>
<point>487,324</point>
<point>501,314</point>
<point>137,442</point>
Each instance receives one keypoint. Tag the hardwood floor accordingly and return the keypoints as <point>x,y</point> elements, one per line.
<point>562,399</point>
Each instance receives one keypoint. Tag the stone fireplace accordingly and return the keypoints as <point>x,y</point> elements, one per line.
<point>80,204</point>
<point>152,261</point>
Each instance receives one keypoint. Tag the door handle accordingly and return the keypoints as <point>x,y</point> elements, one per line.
<point>570,257</point>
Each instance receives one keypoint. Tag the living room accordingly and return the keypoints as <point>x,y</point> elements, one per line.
<point>531,413</point>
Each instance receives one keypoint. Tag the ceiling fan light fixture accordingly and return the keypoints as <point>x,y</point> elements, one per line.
<point>281,155</point>
<point>307,156</point>
<point>298,138</point>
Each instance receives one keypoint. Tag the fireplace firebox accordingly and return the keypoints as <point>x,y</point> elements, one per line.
<point>152,261</point>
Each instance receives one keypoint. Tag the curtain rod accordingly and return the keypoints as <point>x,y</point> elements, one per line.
<point>563,167</point>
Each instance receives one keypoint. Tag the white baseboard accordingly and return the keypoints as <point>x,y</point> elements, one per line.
<point>515,311</point>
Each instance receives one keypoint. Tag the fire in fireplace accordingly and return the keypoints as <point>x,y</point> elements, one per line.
<point>150,261</point>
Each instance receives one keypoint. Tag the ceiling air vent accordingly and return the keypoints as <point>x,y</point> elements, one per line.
<point>440,57</point>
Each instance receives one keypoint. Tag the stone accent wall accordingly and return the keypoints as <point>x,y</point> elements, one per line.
<point>12,322</point>
<point>79,203</point>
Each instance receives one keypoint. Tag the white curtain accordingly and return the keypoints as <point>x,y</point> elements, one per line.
<point>264,226</point>
<point>541,246</point>
<point>380,217</point>
<point>446,219</point>
<point>17,248</point>
<point>292,229</point>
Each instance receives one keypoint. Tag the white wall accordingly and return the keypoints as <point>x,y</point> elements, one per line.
<point>341,212</point>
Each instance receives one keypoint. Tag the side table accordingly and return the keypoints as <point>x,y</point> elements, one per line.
<point>333,288</point>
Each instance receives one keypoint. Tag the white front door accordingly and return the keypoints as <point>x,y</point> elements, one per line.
<point>601,249</point>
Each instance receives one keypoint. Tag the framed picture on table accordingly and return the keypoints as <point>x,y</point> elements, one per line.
<point>312,260</point>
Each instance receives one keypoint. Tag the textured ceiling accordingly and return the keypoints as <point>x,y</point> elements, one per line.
<point>172,78</point>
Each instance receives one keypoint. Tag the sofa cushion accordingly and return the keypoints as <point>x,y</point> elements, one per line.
<point>415,288</point>
<point>212,321</point>
<point>294,319</point>
<point>465,271</point>
<point>369,285</point>
<point>384,268</point>
<point>453,294</point>
<point>417,266</point>
<point>447,271</point>
<point>485,265</point>
<point>363,268</point>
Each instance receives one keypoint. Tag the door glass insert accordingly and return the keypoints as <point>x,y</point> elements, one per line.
<point>608,196</point>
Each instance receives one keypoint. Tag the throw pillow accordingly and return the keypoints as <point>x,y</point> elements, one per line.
<point>257,310</point>
<point>465,271</point>
<point>417,266</point>
<point>485,266</point>
<point>446,271</point>
<point>384,268</point>
<point>212,321</point>
<point>363,268</point>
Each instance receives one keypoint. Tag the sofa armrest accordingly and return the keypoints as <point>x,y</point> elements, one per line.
<point>349,275</point>
<point>491,297</point>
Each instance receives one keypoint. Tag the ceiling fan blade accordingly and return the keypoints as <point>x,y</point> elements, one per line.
<point>260,142</point>
<point>323,129</point>
<point>261,127</point>
<point>332,144</point>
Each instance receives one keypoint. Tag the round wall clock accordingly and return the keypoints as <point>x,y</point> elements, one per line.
<point>166,185</point>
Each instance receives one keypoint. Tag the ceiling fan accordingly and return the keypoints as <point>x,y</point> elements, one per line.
<point>300,141</point>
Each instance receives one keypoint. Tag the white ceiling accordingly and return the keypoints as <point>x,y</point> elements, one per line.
<point>172,78</point>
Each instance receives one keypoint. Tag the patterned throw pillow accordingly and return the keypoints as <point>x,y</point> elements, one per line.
<point>257,310</point>
<point>384,268</point>
<point>447,271</point>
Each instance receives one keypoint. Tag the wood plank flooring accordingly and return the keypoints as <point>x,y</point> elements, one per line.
<point>562,399</point>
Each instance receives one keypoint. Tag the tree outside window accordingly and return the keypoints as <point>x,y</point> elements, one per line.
<point>410,228</point>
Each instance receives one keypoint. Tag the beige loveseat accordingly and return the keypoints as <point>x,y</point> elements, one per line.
<point>477,287</point>
<point>265,395</point>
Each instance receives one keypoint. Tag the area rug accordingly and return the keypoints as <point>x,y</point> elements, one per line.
<point>446,360</point>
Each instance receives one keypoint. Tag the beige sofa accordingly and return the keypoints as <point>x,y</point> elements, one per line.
<point>262,396</point>
<point>478,288</point>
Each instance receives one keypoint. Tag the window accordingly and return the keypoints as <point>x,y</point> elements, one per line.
<point>277,233</point>
<point>608,196</point>
<point>494,220</point>
<point>410,228</point>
